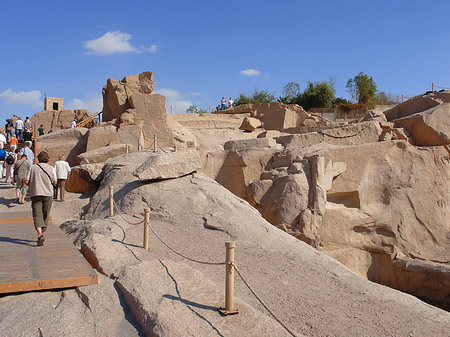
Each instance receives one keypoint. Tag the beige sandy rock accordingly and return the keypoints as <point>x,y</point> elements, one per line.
<point>242,144</point>
<point>374,116</point>
<point>150,292</point>
<point>131,133</point>
<point>412,106</point>
<point>101,135</point>
<point>430,127</point>
<point>102,154</point>
<point>250,124</point>
<point>117,93</point>
<point>360,133</point>
<point>68,143</point>
<point>168,165</point>
<point>151,109</point>
<point>84,178</point>
<point>55,120</point>
<point>215,216</point>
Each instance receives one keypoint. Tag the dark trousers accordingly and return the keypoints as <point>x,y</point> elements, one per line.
<point>61,186</point>
<point>41,211</point>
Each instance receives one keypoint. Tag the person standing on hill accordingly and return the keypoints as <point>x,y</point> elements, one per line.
<point>2,140</point>
<point>41,130</point>
<point>26,150</point>
<point>62,169</point>
<point>41,179</point>
<point>21,171</point>
<point>73,124</point>
<point>13,142</point>
<point>19,128</point>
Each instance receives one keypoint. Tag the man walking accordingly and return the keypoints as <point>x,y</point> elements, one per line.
<point>27,151</point>
<point>41,179</point>
<point>21,171</point>
<point>62,169</point>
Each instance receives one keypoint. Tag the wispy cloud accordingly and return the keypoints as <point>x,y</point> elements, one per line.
<point>152,49</point>
<point>32,98</point>
<point>114,42</point>
<point>250,72</point>
<point>92,104</point>
<point>178,101</point>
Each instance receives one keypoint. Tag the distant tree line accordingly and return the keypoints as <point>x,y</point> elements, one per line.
<point>321,94</point>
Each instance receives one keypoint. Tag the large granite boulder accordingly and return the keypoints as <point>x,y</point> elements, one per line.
<point>101,135</point>
<point>215,216</point>
<point>53,120</point>
<point>117,93</point>
<point>430,127</point>
<point>84,178</point>
<point>102,154</point>
<point>250,124</point>
<point>68,143</point>
<point>168,165</point>
<point>352,134</point>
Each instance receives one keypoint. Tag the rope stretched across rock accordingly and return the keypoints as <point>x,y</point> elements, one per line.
<point>215,264</point>
<point>131,223</point>
<point>262,302</point>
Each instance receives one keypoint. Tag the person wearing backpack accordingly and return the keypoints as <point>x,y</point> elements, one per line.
<point>2,162</point>
<point>9,161</point>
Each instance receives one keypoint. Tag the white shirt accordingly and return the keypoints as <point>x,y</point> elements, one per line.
<point>2,138</point>
<point>62,169</point>
<point>73,124</point>
<point>19,124</point>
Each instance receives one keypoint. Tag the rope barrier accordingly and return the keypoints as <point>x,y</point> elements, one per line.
<point>182,255</point>
<point>118,211</point>
<point>210,263</point>
<point>262,302</point>
<point>163,149</point>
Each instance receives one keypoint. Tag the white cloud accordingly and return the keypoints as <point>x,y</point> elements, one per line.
<point>250,72</point>
<point>179,102</point>
<point>115,42</point>
<point>32,98</point>
<point>152,49</point>
<point>93,105</point>
<point>110,43</point>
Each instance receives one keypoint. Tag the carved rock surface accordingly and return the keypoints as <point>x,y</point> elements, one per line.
<point>168,165</point>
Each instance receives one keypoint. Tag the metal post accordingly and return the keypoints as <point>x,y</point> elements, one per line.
<point>210,109</point>
<point>111,201</point>
<point>432,87</point>
<point>402,98</point>
<point>229,280</point>
<point>155,145</point>
<point>146,224</point>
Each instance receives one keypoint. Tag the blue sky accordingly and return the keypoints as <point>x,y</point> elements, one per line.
<point>200,51</point>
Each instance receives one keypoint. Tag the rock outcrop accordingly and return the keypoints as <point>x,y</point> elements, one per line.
<point>430,127</point>
<point>53,120</point>
<point>68,142</point>
<point>116,94</point>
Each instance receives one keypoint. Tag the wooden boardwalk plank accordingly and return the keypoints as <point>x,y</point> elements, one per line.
<point>27,267</point>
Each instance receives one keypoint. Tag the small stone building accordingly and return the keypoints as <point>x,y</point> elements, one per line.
<point>53,103</point>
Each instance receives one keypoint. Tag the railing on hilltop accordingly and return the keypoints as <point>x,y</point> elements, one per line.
<point>90,119</point>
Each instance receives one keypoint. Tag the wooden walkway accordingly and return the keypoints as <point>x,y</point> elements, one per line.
<point>27,267</point>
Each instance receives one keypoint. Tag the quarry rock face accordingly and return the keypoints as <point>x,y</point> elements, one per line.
<point>84,178</point>
<point>53,120</point>
<point>101,155</point>
<point>430,127</point>
<point>250,124</point>
<point>168,165</point>
<point>68,142</point>
<point>117,93</point>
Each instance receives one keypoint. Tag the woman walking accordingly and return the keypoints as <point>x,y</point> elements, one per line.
<point>41,179</point>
